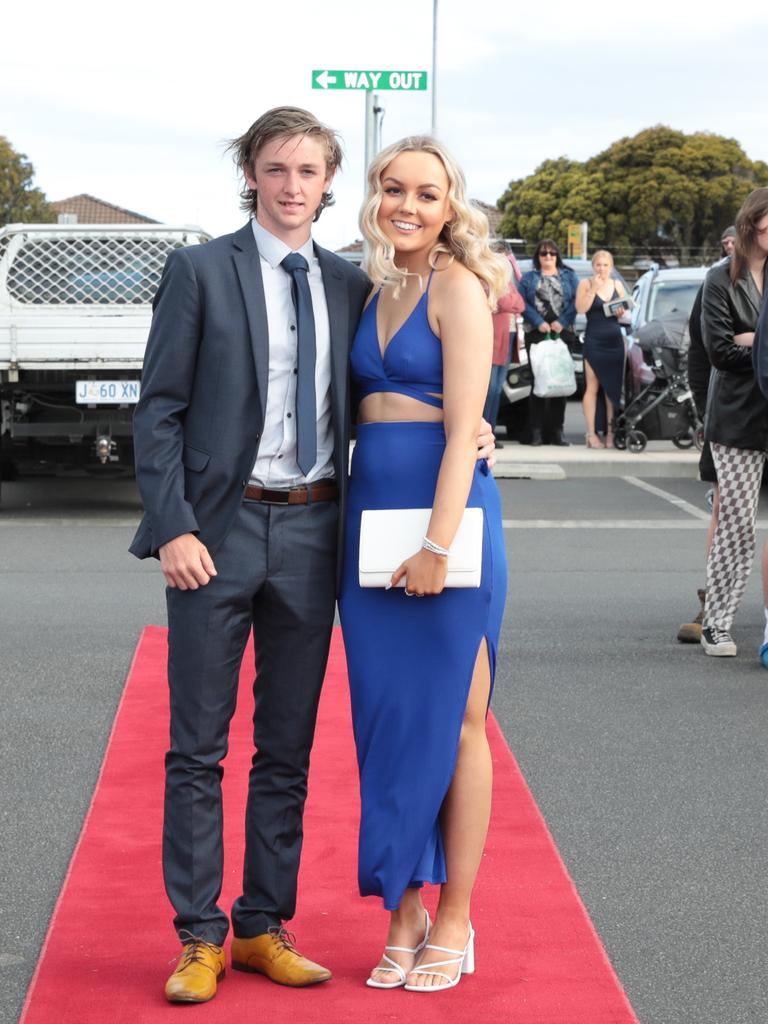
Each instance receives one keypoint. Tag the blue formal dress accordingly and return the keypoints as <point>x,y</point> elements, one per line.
<point>410,659</point>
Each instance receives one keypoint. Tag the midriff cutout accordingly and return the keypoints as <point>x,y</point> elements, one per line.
<point>390,407</point>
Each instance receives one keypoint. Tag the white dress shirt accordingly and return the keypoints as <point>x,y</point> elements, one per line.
<point>276,464</point>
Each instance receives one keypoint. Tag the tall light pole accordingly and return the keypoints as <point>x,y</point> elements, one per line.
<point>434,67</point>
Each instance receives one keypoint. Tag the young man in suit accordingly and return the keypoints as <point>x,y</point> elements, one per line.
<point>242,439</point>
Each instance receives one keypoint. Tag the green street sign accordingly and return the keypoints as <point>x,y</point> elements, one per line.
<point>403,81</point>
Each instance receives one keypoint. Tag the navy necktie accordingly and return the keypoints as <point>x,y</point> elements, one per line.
<point>306,412</point>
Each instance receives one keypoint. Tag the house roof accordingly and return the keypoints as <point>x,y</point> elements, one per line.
<point>493,214</point>
<point>90,210</point>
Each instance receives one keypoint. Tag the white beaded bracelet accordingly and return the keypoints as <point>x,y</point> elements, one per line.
<point>434,548</point>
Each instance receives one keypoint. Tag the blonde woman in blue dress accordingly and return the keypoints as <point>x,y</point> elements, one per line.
<point>422,658</point>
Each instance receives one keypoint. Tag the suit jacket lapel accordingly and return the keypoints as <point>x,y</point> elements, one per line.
<point>248,267</point>
<point>337,300</point>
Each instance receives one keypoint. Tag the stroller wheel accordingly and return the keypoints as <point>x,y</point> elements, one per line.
<point>620,440</point>
<point>698,438</point>
<point>683,441</point>
<point>636,441</point>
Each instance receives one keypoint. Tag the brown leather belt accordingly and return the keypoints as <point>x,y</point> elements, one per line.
<point>322,490</point>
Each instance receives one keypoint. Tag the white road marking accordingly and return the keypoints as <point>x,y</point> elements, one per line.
<point>602,524</point>
<point>94,523</point>
<point>684,506</point>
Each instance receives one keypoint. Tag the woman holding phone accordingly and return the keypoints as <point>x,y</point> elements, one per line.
<point>604,348</point>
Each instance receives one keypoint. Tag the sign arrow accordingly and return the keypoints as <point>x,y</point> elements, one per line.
<point>324,79</point>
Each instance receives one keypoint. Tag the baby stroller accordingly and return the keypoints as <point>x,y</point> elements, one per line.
<point>660,405</point>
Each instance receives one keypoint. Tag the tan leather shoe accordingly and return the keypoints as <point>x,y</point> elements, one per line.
<point>275,955</point>
<point>201,965</point>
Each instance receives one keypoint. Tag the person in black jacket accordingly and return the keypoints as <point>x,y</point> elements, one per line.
<point>699,371</point>
<point>736,423</point>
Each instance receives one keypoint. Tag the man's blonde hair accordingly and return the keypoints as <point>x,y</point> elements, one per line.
<point>283,122</point>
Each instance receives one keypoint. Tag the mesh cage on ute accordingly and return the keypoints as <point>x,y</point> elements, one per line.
<point>89,270</point>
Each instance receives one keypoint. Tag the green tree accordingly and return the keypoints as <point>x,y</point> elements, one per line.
<point>660,192</point>
<point>19,200</point>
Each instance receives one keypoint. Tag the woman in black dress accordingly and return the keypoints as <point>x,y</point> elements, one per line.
<point>604,349</point>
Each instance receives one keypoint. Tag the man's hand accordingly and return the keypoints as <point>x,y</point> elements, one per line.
<point>186,563</point>
<point>486,443</point>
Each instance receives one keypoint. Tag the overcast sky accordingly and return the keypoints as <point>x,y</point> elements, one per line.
<point>133,103</point>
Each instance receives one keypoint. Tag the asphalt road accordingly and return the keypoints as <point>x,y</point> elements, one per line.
<point>646,758</point>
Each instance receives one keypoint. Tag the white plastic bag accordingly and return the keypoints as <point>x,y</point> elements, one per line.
<point>553,373</point>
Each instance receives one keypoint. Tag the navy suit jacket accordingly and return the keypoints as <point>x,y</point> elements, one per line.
<point>200,415</point>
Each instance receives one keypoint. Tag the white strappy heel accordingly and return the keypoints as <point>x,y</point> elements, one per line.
<point>465,957</point>
<point>394,965</point>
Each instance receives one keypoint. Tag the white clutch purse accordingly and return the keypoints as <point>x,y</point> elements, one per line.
<point>388,536</point>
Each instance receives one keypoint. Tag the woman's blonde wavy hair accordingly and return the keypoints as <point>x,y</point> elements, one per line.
<point>602,252</point>
<point>465,237</point>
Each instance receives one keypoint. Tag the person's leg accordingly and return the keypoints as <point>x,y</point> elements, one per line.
<point>293,618</point>
<point>408,928</point>
<point>589,405</point>
<point>609,417</point>
<point>690,632</point>
<point>536,405</point>
<point>208,630</point>
<point>536,418</point>
<point>713,517</point>
<point>464,821</point>
<point>556,421</point>
<point>729,562</point>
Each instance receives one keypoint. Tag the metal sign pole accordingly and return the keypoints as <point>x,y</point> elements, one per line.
<point>433,129</point>
<point>378,118</point>
<point>370,134</point>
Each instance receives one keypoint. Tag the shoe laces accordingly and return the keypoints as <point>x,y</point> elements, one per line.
<point>193,948</point>
<point>720,636</point>
<point>285,938</point>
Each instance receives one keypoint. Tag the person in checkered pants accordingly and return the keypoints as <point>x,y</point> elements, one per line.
<point>736,422</point>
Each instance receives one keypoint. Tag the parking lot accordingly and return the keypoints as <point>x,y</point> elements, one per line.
<point>645,757</point>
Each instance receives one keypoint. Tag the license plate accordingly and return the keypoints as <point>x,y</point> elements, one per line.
<point>107,392</point>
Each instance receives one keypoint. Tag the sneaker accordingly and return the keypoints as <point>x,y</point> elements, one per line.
<point>717,642</point>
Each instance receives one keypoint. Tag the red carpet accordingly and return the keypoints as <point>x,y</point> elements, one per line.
<point>107,953</point>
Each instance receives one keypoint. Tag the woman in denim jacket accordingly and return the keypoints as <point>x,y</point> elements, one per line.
<point>549,292</point>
